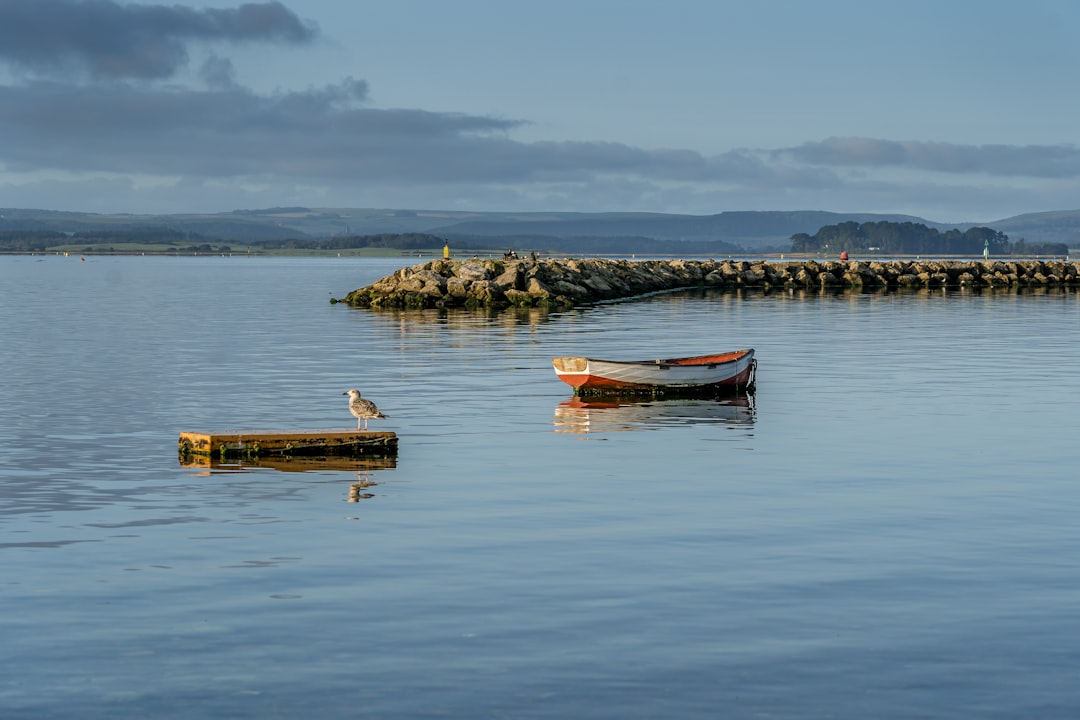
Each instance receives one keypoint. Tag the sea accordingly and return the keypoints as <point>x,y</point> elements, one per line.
<point>886,528</point>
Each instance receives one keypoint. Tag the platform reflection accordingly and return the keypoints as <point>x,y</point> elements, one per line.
<point>290,464</point>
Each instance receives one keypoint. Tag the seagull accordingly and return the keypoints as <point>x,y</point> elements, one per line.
<point>361,408</point>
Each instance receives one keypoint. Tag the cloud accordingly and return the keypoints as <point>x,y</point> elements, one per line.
<point>325,145</point>
<point>98,115</point>
<point>218,73</point>
<point>1037,161</point>
<point>327,135</point>
<point>109,40</point>
<point>320,133</point>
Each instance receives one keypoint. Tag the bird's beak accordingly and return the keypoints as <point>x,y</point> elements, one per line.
<point>345,393</point>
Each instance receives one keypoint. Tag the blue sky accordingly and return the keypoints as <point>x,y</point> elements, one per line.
<point>953,111</point>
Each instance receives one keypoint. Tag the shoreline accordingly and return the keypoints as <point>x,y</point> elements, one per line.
<point>437,254</point>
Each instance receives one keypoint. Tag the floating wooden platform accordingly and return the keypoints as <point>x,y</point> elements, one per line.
<point>287,443</point>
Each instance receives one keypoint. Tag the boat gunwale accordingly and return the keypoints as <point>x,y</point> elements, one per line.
<point>724,358</point>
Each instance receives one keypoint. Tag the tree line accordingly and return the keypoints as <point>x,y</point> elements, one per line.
<point>42,240</point>
<point>178,241</point>
<point>598,245</point>
<point>908,238</point>
<point>884,238</point>
<point>393,241</point>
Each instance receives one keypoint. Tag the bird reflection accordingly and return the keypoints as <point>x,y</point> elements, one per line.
<point>356,489</point>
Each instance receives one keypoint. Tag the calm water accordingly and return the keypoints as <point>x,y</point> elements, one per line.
<point>888,531</point>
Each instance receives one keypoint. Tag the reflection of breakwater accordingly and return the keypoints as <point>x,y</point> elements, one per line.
<point>586,415</point>
<point>456,319</point>
<point>567,282</point>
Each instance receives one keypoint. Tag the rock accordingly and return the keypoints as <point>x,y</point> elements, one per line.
<point>484,291</point>
<point>805,278</point>
<point>472,270</point>
<point>519,298</point>
<point>537,289</point>
<point>511,279</point>
<point>827,279</point>
<point>754,275</point>
<point>569,289</point>
<point>457,288</point>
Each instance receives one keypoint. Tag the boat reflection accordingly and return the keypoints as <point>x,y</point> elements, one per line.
<point>601,415</point>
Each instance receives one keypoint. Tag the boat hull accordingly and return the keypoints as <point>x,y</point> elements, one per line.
<point>700,373</point>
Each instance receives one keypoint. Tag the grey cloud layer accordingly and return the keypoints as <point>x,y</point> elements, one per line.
<point>326,133</point>
<point>319,134</point>
<point>111,40</point>
<point>123,122</point>
<point>1040,161</point>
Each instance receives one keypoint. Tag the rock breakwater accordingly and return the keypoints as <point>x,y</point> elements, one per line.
<point>569,281</point>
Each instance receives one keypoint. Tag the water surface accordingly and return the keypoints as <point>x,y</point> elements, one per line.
<point>885,529</point>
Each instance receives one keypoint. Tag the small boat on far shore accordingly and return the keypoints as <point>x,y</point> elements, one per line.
<point>733,370</point>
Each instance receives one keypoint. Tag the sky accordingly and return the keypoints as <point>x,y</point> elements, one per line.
<point>950,110</point>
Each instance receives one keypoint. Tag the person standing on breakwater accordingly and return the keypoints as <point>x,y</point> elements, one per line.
<point>446,250</point>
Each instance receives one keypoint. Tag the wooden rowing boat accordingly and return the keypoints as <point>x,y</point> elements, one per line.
<point>700,373</point>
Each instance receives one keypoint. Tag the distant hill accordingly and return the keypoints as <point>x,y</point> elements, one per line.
<point>749,230</point>
<point>754,231</point>
<point>1060,226</point>
<point>222,226</point>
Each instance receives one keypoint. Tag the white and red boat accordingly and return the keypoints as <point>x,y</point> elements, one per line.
<point>701,373</point>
